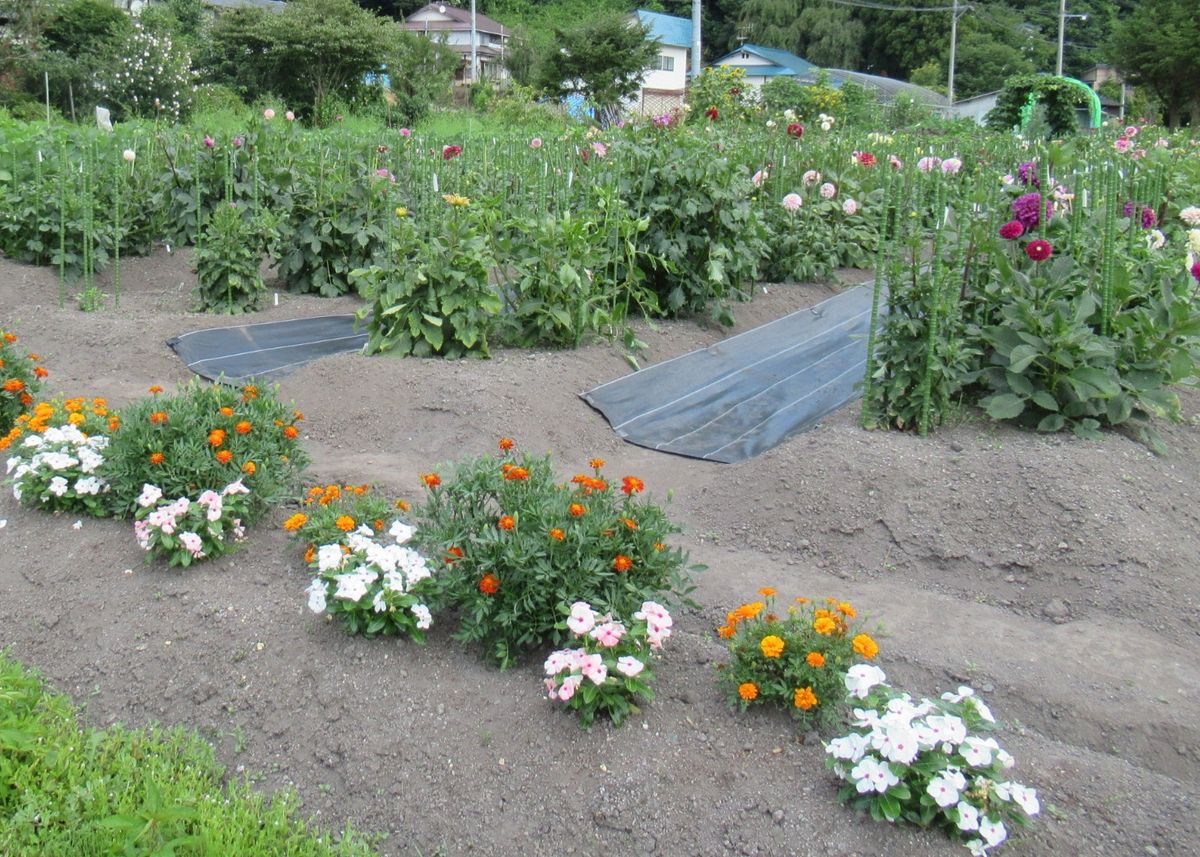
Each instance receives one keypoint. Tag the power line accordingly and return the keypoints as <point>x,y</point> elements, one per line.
<point>867,4</point>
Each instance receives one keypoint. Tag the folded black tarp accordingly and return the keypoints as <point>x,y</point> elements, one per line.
<point>746,394</point>
<point>268,349</point>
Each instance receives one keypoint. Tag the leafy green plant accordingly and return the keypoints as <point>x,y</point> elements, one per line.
<point>164,789</point>
<point>60,469</point>
<point>329,512</point>
<point>184,531</point>
<point>434,296</point>
<point>91,299</point>
<point>206,435</point>
<point>795,660</point>
<point>517,545</point>
<point>228,257</point>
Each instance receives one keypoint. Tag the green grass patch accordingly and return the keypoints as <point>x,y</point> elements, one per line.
<point>73,791</point>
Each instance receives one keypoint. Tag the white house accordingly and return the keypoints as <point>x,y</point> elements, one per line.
<point>761,64</point>
<point>665,82</point>
<point>453,26</point>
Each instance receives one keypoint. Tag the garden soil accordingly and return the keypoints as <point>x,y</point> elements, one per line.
<point>1059,577</point>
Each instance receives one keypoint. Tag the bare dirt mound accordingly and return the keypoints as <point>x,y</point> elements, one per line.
<point>1060,577</point>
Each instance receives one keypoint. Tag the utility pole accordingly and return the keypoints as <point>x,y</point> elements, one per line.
<point>1062,27</point>
<point>953,46</point>
<point>696,38</point>
<point>475,42</point>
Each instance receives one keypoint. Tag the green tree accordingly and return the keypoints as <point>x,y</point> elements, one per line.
<point>603,60</point>
<point>825,35</point>
<point>1158,47</point>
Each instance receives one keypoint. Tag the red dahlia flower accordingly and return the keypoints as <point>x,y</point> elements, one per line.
<point>1039,250</point>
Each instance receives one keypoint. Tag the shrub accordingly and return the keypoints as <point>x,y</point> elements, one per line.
<point>184,531</point>
<point>152,77</point>
<point>20,380</point>
<point>917,762</point>
<point>795,660</point>
<point>433,297</point>
<point>205,436</point>
<point>608,671</point>
<point>517,546</point>
<point>229,255</point>
<point>374,583</point>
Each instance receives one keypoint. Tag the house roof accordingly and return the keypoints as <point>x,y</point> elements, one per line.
<point>460,19</point>
<point>791,63</point>
<point>667,29</point>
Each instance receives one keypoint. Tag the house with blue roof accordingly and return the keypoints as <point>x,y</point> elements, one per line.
<point>665,82</point>
<point>761,64</point>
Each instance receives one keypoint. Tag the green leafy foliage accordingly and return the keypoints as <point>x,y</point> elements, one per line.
<point>517,545</point>
<point>20,380</point>
<point>163,793</point>
<point>228,258</point>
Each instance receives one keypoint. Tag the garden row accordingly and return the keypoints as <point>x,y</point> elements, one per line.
<point>525,564</point>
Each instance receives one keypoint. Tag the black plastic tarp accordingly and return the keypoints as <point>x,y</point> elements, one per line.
<point>746,394</point>
<point>268,349</point>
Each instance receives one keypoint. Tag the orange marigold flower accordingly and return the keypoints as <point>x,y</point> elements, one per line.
<point>659,546</point>
<point>816,660</point>
<point>155,390</point>
<point>316,491</point>
<point>557,534</point>
<point>157,458</point>
<point>629,523</point>
<point>379,525</point>
<point>158,418</point>
<point>771,646</point>
<point>243,427</point>
<point>14,385</point>
<point>295,522</point>
<point>577,510</point>
<point>224,456</point>
<point>297,416</point>
<point>801,600</point>
<point>431,480</point>
<point>489,585</point>
<point>580,478</point>
<point>403,505</point>
<point>595,484</point>
<point>216,437</point>
<point>516,474</point>
<point>847,610</point>
<point>40,372</point>
<point>344,523</point>
<point>453,553</point>
<point>824,625</point>
<point>291,432</point>
<point>767,592</point>
<point>622,562</point>
<point>10,338</point>
<point>226,411</point>
<point>114,423</point>
<point>506,443</point>
<point>506,522</point>
<point>632,485</point>
<point>249,392</point>
<point>804,698</point>
<point>597,463</point>
<point>76,419</point>
<point>726,631</point>
<point>249,468</point>
<point>865,646</point>
<point>748,691</point>
<point>310,553</point>
<point>751,610</point>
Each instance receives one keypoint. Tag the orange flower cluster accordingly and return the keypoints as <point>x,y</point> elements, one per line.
<point>740,614</point>
<point>76,411</point>
<point>513,473</point>
<point>489,585</point>
<point>588,484</point>
<point>323,495</point>
<point>295,522</point>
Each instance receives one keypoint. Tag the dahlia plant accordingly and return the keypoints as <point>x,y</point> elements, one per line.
<point>59,470</point>
<point>795,660</point>
<point>185,531</point>
<point>920,762</point>
<point>608,671</point>
<point>375,584</point>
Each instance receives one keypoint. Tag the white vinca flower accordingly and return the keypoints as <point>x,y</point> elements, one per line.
<point>860,678</point>
<point>424,617</point>
<point>316,595</point>
<point>872,774</point>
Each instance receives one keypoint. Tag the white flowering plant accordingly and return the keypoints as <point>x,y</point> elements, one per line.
<point>921,762</point>
<point>60,470</point>
<point>185,531</point>
<point>609,671</point>
<point>376,584</point>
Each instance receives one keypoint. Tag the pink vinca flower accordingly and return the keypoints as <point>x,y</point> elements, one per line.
<point>609,634</point>
<point>582,618</point>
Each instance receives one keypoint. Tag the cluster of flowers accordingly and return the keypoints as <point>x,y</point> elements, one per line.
<point>949,166</point>
<point>919,762</point>
<point>612,658</point>
<point>152,75</point>
<point>1191,217</point>
<point>373,584</point>
<point>828,190</point>
<point>19,379</point>
<point>795,660</point>
<point>184,531</point>
<point>56,470</point>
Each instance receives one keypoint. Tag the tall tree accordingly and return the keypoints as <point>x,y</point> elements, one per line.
<point>1158,46</point>
<point>602,59</point>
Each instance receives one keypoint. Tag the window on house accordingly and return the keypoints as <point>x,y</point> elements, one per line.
<point>666,63</point>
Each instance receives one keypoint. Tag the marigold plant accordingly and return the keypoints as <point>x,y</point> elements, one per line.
<point>517,550</point>
<point>20,380</point>
<point>329,512</point>
<point>795,659</point>
<point>205,435</point>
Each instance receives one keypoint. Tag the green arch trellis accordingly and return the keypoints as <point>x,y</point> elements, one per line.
<point>1095,116</point>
